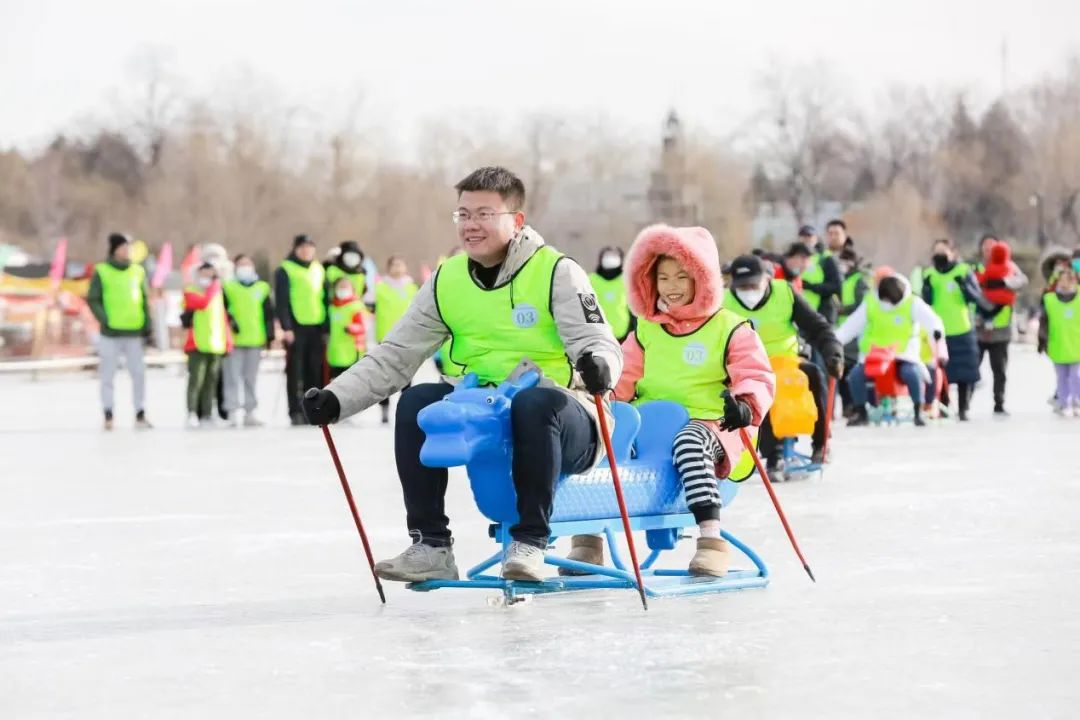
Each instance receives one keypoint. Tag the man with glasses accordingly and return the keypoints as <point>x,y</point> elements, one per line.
<point>508,303</point>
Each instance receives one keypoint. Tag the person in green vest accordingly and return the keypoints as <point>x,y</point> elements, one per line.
<point>821,278</point>
<point>1059,338</point>
<point>509,303</point>
<point>689,350</point>
<point>251,314</point>
<point>995,331</point>
<point>208,341</point>
<point>610,289</point>
<point>893,317</point>
<point>347,339</point>
<point>852,291</point>
<point>350,262</point>
<point>949,287</point>
<point>117,297</point>
<point>780,316</point>
<point>393,294</point>
<point>300,303</point>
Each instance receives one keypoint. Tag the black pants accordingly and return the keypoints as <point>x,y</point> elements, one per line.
<point>963,396</point>
<point>999,365</point>
<point>304,361</point>
<point>553,435</point>
<point>767,442</point>
<point>851,359</point>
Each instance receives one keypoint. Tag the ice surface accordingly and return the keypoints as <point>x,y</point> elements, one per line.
<point>183,574</point>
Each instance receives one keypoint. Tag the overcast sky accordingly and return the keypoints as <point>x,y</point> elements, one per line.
<point>61,62</point>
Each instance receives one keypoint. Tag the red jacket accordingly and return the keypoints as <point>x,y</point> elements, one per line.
<point>992,278</point>
<point>200,301</point>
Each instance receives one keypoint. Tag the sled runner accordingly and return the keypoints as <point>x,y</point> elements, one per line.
<point>471,427</point>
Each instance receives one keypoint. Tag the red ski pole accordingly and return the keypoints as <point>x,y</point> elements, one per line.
<point>352,507</point>
<point>619,495</point>
<point>776,502</point>
<point>829,400</point>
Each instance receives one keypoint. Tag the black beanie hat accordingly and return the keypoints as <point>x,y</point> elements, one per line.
<point>302,240</point>
<point>351,246</point>
<point>115,241</point>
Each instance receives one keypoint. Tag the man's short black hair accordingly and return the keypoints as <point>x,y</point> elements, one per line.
<point>838,223</point>
<point>988,236</point>
<point>798,248</point>
<point>495,179</point>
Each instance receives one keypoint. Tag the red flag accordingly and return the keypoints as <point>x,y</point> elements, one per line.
<point>163,268</point>
<point>59,262</point>
<point>188,263</point>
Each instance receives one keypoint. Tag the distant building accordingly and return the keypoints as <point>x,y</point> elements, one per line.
<point>672,196</point>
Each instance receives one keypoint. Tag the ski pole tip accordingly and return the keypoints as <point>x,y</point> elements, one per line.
<point>810,573</point>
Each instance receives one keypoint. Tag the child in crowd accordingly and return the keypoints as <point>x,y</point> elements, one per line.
<point>208,341</point>
<point>346,344</point>
<point>1059,338</point>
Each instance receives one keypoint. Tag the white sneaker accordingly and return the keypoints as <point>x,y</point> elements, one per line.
<point>193,421</point>
<point>523,562</point>
<point>234,419</point>
<point>419,562</point>
<point>251,421</point>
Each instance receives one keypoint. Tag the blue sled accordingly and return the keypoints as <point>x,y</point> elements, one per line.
<point>797,463</point>
<point>471,427</point>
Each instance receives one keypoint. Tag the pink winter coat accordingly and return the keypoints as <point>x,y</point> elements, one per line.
<point>750,377</point>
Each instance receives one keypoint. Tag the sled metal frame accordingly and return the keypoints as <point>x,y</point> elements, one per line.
<point>662,532</point>
<point>795,462</point>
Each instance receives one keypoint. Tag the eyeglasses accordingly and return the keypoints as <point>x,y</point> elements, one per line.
<point>483,216</point>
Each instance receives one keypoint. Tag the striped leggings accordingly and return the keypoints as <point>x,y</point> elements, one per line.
<point>696,452</point>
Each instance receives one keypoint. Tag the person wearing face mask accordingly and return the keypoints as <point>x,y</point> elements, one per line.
<point>793,264</point>
<point>821,277</point>
<point>892,316</point>
<point>251,313</point>
<point>208,341</point>
<point>852,291</point>
<point>117,297</point>
<point>780,315</point>
<point>610,289</point>
<point>349,263</point>
<point>346,343</point>
<point>949,287</point>
<point>300,303</point>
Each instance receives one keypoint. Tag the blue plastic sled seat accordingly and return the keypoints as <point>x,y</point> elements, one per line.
<point>471,427</point>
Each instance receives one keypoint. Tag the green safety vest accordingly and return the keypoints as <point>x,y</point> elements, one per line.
<point>1063,337</point>
<point>341,350</point>
<point>949,302</point>
<point>690,370</point>
<point>122,296</point>
<point>887,328</point>
<point>246,307</point>
<point>847,293</point>
<point>390,306</point>
<point>612,297</point>
<point>208,327</point>
<point>773,320</point>
<point>358,280</point>
<point>814,274</point>
<point>306,292</point>
<point>493,330</point>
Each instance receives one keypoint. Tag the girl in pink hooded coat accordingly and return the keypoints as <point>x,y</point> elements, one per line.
<point>687,349</point>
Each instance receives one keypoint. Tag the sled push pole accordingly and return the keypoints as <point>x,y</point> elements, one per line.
<point>352,506</point>
<point>829,400</point>
<point>776,502</point>
<point>599,400</point>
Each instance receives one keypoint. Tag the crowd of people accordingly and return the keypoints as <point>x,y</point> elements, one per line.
<point>662,320</point>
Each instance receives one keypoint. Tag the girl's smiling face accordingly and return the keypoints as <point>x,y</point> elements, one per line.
<point>674,284</point>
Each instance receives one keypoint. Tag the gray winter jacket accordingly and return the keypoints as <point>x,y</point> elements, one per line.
<point>392,363</point>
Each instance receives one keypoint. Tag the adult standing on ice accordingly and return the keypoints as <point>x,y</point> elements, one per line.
<point>301,310</point>
<point>508,303</point>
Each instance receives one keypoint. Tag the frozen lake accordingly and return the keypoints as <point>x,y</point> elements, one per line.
<point>182,574</point>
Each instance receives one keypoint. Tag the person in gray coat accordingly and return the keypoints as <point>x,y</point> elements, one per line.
<point>508,290</point>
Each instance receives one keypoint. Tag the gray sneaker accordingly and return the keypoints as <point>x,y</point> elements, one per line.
<point>523,562</point>
<point>419,562</point>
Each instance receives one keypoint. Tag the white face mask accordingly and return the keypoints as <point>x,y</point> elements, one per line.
<point>343,293</point>
<point>886,305</point>
<point>205,282</point>
<point>246,273</point>
<point>350,259</point>
<point>750,297</point>
<point>610,261</point>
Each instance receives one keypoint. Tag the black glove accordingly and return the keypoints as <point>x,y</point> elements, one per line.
<point>737,413</point>
<point>321,407</point>
<point>595,373</point>
<point>1041,346</point>
<point>835,366</point>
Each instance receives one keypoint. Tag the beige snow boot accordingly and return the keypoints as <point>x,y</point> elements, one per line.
<point>712,557</point>
<point>586,549</point>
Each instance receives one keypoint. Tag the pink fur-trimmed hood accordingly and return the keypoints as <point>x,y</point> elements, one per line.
<point>694,249</point>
